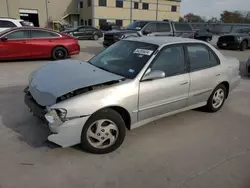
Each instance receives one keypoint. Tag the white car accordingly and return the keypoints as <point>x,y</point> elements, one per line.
<point>131,83</point>
<point>7,23</point>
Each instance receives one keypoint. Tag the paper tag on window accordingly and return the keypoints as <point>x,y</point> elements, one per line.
<point>143,52</point>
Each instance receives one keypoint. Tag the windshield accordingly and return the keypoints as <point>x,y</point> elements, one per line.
<point>136,25</point>
<point>124,58</point>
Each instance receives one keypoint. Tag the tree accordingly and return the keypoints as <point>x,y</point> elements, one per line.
<point>181,19</point>
<point>190,17</point>
<point>213,20</point>
<point>235,17</point>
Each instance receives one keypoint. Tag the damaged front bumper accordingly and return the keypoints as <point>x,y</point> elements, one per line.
<point>64,133</point>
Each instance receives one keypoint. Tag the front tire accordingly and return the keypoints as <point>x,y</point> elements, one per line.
<point>216,99</point>
<point>243,46</point>
<point>104,132</point>
<point>59,53</point>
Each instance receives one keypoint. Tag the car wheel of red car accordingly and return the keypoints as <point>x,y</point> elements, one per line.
<point>59,53</point>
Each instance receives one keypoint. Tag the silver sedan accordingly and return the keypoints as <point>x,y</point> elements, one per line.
<point>131,83</point>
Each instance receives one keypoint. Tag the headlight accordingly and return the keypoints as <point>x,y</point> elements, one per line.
<point>56,115</point>
<point>239,38</point>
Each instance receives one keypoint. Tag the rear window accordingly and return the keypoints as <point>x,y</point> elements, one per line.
<point>6,24</point>
<point>182,27</point>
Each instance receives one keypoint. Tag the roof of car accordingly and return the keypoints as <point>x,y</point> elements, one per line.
<point>162,40</point>
<point>10,19</point>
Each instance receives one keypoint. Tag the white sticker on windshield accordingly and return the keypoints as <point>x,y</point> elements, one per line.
<point>143,52</point>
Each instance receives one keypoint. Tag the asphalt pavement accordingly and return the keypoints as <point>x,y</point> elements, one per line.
<point>193,149</point>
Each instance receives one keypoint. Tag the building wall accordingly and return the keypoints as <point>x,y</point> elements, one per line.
<point>56,9</point>
<point>86,13</point>
<point>3,8</point>
<point>112,13</point>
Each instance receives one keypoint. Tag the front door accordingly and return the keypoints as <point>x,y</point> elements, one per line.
<point>16,46</point>
<point>205,73</point>
<point>157,97</point>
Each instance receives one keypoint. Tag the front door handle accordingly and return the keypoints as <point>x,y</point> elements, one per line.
<point>24,42</point>
<point>218,74</point>
<point>184,83</point>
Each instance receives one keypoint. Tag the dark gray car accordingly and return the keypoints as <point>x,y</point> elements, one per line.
<point>85,32</point>
<point>238,39</point>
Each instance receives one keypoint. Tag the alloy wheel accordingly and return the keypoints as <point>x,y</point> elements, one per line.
<point>102,133</point>
<point>218,98</point>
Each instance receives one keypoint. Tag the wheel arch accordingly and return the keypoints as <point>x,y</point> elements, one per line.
<point>122,112</point>
<point>226,84</point>
<point>57,47</point>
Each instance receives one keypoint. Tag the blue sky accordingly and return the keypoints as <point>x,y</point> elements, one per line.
<point>211,8</point>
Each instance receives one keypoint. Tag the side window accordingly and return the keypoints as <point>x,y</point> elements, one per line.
<point>213,59</point>
<point>90,29</point>
<point>164,27</point>
<point>6,24</point>
<point>152,27</point>
<point>171,60</point>
<point>82,29</point>
<point>22,34</point>
<point>42,34</point>
<point>200,57</point>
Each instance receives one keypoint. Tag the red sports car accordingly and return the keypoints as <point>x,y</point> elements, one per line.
<point>34,43</point>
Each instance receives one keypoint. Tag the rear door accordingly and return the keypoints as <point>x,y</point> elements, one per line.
<point>164,29</point>
<point>205,72</point>
<point>80,32</point>
<point>184,30</point>
<point>42,42</point>
<point>16,46</point>
<point>89,31</point>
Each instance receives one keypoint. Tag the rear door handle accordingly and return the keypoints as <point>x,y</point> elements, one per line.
<point>24,42</point>
<point>218,74</point>
<point>184,83</point>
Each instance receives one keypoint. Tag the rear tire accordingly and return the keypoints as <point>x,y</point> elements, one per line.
<point>59,53</point>
<point>104,132</point>
<point>216,99</point>
<point>243,46</point>
<point>95,37</point>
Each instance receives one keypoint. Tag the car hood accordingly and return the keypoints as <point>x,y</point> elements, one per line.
<point>59,78</point>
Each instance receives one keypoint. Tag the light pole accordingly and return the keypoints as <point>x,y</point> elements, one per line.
<point>157,4</point>
<point>131,10</point>
<point>47,11</point>
<point>7,6</point>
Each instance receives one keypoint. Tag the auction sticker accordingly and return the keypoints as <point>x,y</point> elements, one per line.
<point>143,52</point>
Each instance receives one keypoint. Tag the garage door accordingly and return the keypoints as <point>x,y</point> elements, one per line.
<point>29,15</point>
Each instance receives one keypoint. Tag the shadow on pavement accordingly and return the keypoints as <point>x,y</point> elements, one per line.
<point>16,116</point>
<point>92,49</point>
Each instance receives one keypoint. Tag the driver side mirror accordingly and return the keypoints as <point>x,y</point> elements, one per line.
<point>153,75</point>
<point>4,39</point>
<point>146,32</point>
